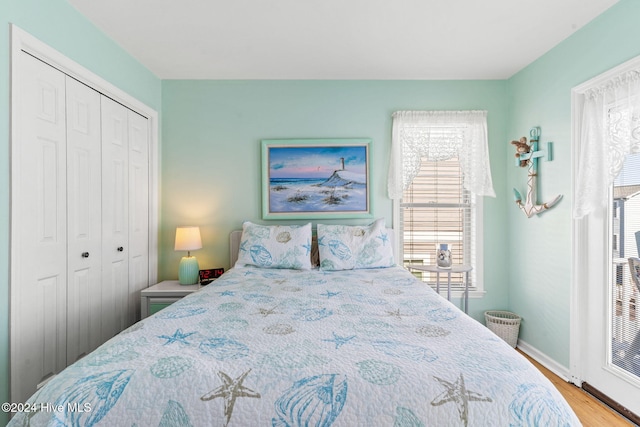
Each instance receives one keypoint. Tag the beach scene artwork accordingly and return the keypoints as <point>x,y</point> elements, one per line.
<point>317,179</point>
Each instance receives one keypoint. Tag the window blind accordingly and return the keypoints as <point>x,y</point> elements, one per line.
<point>436,209</point>
<point>625,243</point>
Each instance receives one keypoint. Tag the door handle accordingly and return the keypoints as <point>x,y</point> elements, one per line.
<point>85,254</point>
<point>120,249</point>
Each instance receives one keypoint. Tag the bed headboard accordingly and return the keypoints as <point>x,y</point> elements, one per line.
<point>234,246</point>
<point>236,235</point>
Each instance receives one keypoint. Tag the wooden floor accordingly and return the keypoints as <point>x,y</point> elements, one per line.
<point>590,411</point>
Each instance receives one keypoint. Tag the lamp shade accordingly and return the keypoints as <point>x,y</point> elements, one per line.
<point>188,239</point>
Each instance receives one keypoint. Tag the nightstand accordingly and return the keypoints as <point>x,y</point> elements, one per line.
<point>156,297</point>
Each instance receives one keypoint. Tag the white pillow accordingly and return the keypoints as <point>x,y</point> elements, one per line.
<point>344,247</point>
<point>275,246</point>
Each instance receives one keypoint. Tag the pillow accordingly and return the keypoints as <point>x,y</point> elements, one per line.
<point>275,246</point>
<point>345,247</point>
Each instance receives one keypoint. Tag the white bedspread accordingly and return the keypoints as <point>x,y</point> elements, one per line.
<point>262,347</point>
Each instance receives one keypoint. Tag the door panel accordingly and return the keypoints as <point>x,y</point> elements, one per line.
<point>38,291</point>
<point>597,351</point>
<point>115,219</point>
<point>84,219</point>
<point>138,211</point>
<point>610,324</point>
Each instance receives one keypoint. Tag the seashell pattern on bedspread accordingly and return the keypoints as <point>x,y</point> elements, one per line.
<point>264,347</point>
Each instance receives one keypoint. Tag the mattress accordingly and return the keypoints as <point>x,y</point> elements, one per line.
<point>271,347</point>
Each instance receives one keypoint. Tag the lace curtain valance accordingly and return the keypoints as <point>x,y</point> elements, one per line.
<point>610,130</point>
<point>440,135</point>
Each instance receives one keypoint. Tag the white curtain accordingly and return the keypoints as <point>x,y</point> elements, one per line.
<point>610,131</point>
<point>440,135</point>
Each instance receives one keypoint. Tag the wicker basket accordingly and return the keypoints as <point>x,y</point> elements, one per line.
<point>504,324</point>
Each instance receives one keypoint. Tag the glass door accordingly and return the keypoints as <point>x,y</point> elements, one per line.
<point>604,319</point>
<point>606,354</point>
<point>624,286</point>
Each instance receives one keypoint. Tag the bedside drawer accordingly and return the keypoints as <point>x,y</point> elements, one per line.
<point>157,304</point>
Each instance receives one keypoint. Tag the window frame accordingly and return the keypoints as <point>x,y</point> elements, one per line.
<point>477,274</point>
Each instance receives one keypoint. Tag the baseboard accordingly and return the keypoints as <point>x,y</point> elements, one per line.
<point>544,360</point>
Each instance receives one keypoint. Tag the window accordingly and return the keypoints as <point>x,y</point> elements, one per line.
<point>437,209</point>
<point>439,169</point>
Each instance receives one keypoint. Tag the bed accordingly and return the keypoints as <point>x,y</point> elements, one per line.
<point>284,343</point>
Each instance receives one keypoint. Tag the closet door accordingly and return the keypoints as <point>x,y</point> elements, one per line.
<point>80,194</point>
<point>39,234</point>
<point>115,218</point>
<point>138,211</point>
<point>84,213</point>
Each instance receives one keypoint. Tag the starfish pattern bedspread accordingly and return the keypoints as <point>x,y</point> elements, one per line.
<point>265,347</point>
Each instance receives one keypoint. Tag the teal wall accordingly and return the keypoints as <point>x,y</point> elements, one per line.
<point>60,26</point>
<point>540,248</point>
<point>211,169</point>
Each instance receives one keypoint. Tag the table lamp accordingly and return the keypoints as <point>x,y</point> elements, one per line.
<point>188,239</point>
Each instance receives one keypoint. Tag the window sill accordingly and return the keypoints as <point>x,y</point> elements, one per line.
<point>457,293</point>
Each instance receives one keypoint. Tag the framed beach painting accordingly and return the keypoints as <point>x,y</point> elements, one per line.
<point>315,178</point>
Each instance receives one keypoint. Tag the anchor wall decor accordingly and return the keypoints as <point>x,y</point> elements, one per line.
<point>528,155</point>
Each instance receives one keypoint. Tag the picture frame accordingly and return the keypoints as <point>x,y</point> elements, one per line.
<point>316,178</point>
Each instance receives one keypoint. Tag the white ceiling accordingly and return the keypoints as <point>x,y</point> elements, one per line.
<point>338,39</point>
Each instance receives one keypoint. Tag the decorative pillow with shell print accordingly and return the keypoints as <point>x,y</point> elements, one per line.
<point>275,246</point>
<point>344,247</point>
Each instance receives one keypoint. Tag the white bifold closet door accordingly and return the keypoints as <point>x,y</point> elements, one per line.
<point>39,288</point>
<point>84,216</point>
<point>125,229</point>
<point>138,211</point>
<point>80,222</point>
<point>115,221</point>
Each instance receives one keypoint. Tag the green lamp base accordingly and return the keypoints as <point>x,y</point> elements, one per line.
<point>189,271</point>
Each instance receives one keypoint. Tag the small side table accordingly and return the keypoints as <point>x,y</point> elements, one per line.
<point>454,269</point>
<point>156,297</point>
